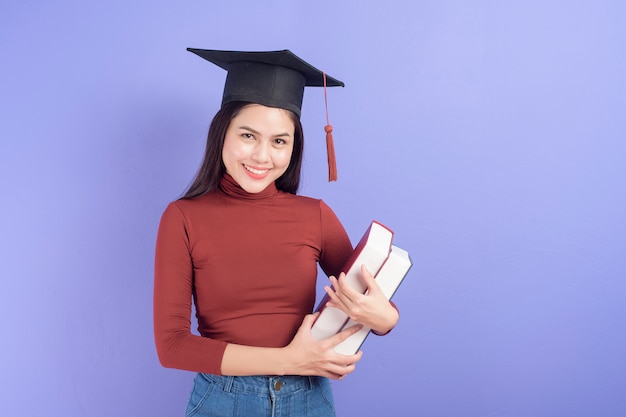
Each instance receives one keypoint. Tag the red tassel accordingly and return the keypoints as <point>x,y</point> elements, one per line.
<point>330,150</point>
<point>330,143</point>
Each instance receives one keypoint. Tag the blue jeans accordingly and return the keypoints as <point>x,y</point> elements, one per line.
<point>260,396</point>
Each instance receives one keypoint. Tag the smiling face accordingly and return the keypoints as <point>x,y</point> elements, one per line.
<point>258,146</point>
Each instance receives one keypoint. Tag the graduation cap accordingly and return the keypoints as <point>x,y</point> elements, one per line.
<point>274,79</point>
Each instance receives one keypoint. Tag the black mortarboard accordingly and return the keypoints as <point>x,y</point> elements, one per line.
<point>275,78</point>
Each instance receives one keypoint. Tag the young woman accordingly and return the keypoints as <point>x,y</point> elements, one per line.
<point>245,248</point>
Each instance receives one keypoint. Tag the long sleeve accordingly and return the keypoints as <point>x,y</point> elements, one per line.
<point>176,346</point>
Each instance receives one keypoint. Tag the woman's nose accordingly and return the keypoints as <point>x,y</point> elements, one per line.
<point>261,152</point>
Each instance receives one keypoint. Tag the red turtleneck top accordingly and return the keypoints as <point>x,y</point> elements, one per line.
<point>249,261</point>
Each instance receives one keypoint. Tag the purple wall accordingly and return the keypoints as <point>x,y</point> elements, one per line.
<point>489,135</point>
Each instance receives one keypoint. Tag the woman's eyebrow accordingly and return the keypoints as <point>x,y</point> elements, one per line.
<point>251,130</point>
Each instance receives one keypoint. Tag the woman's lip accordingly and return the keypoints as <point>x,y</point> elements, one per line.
<point>256,172</point>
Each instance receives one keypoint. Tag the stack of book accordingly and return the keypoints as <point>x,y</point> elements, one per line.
<point>389,265</point>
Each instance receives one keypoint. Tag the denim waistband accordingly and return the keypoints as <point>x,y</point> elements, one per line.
<point>263,385</point>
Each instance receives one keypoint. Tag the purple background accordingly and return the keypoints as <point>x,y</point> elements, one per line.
<point>489,135</point>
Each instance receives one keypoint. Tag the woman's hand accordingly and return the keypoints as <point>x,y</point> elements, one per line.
<point>306,355</point>
<point>371,309</point>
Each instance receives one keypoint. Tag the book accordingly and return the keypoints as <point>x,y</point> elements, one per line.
<point>372,251</point>
<point>388,279</point>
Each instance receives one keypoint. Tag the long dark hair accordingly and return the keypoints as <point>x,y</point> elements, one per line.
<point>212,168</point>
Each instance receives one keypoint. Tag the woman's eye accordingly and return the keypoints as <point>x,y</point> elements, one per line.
<point>247,136</point>
<point>280,141</point>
